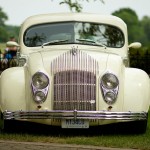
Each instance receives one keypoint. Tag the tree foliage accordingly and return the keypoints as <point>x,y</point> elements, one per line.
<point>145,23</point>
<point>3,17</point>
<point>6,31</point>
<point>130,17</point>
<point>3,32</point>
<point>75,5</point>
<point>138,30</point>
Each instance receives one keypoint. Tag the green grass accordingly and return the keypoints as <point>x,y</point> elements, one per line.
<point>138,141</point>
<point>2,47</point>
<point>118,141</point>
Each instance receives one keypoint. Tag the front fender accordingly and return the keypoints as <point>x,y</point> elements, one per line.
<point>136,90</point>
<point>12,89</point>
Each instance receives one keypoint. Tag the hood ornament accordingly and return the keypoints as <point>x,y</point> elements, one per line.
<point>74,50</point>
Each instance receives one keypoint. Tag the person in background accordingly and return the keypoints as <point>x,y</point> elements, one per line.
<point>12,38</point>
<point>11,49</point>
<point>1,55</point>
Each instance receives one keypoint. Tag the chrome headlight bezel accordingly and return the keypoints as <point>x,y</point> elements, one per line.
<point>109,81</point>
<point>40,80</point>
<point>39,97</point>
<point>110,97</point>
<point>40,87</point>
<point>109,86</point>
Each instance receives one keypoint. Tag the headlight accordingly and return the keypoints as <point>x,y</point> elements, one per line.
<point>110,97</point>
<point>39,97</point>
<point>109,81</point>
<point>109,87</point>
<point>40,80</point>
<point>40,87</point>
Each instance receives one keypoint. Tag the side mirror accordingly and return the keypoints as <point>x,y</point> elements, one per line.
<point>135,45</point>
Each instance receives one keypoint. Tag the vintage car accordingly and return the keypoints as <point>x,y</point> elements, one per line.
<point>74,72</point>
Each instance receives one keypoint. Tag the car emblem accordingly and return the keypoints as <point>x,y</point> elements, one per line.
<point>92,102</point>
<point>74,51</point>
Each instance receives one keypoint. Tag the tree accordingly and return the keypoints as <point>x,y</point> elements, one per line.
<point>13,31</point>
<point>135,30</point>
<point>3,32</point>
<point>145,23</point>
<point>3,17</point>
<point>75,5</point>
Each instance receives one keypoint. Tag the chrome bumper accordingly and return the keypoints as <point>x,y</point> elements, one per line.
<point>90,115</point>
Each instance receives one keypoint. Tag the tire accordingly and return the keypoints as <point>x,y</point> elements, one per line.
<point>134,127</point>
<point>140,126</point>
<point>1,123</point>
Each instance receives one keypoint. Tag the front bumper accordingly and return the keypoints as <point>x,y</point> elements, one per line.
<point>75,114</point>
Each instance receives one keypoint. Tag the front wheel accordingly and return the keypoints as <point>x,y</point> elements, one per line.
<point>1,122</point>
<point>139,126</point>
<point>134,127</point>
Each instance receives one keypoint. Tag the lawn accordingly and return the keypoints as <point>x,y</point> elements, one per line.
<point>2,47</point>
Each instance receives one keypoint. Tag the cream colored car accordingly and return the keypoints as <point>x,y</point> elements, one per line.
<point>74,72</point>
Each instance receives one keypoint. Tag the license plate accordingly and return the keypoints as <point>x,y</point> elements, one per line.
<point>71,123</point>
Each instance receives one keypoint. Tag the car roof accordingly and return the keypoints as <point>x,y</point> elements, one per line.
<point>65,17</point>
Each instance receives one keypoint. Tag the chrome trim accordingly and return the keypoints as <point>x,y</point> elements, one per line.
<point>105,90</point>
<point>74,73</point>
<point>44,90</point>
<point>90,115</point>
<point>80,61</point>
<point>39,88</point>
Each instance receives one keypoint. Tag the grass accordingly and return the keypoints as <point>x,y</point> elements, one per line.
<point>2,47</point>
<point>115,140</point>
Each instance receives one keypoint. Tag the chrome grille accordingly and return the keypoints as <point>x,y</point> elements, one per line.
<point>74,81</point>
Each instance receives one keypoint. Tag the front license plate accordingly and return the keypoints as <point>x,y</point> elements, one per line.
<point>70,123</point>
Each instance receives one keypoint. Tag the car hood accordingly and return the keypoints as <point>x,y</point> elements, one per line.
<point>52,61</point>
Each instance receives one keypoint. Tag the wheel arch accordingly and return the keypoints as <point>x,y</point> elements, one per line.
<point>12,89</point>
<point>136,90</point>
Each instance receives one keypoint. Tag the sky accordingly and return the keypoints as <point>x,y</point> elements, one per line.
<point>18,10</point>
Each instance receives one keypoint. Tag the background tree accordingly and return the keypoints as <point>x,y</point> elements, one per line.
<point>138,30</point>
<point>3,17</point>
<point>7,31</point>
<point>3,32</point>
<point>12,31</point>
<point>75,5</point>
<point>145,23</point>
<point>135,30</point>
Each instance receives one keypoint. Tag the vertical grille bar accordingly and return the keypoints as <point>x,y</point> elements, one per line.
<point>74,81</point>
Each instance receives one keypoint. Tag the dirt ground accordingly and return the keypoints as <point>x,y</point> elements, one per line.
<point>11,145</point>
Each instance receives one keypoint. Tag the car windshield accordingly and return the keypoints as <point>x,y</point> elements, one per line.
<point>74,33</point>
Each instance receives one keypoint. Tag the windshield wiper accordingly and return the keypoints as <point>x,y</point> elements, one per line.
<point>53,42</point>
<point>92,42</point>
